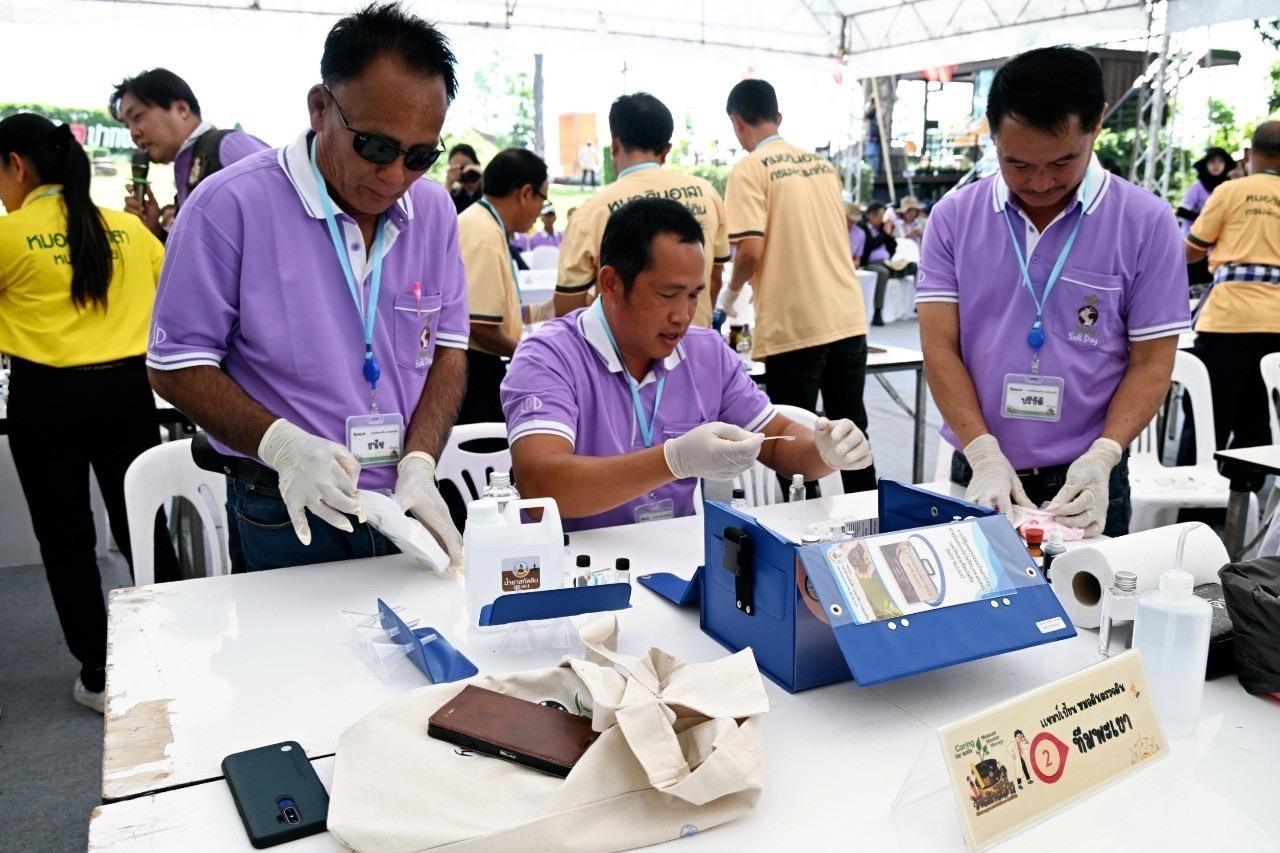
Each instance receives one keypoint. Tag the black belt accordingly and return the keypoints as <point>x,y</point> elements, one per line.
<point>239,468</point>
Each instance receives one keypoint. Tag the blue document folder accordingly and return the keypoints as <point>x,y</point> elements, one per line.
<point>759,589</point>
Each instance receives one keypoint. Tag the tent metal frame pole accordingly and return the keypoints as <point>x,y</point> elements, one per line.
<point>884,143</point>
<point>1156,122</point>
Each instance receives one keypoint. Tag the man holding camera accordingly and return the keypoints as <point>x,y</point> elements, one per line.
<point>464,176</point>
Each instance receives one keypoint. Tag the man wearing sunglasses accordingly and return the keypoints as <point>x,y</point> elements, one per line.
<point>312,313</point>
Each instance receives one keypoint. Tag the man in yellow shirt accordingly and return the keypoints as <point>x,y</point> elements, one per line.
<point>641,126</point>
<point>787,226</point>
<point>1238,321</point>
<point>515,187</point>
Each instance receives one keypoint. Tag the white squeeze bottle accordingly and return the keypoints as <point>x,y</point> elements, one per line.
<point>506,554</point>
<point>1171,630</point>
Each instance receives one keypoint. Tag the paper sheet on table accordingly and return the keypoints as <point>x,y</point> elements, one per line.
<point>386,516</point>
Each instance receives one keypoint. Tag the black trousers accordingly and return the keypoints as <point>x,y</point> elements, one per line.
<point>1240,415</point>
<point>839,371</point>
<point>61,422</point>
<point>482,403</point>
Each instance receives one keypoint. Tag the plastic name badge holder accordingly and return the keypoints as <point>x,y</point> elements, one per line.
<point>874,607</point>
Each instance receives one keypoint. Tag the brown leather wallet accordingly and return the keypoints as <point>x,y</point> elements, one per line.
<point>503,726</point>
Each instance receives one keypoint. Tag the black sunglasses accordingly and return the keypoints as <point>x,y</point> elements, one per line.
<point>381,150</point>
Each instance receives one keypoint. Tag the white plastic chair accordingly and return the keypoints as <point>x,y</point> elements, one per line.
<point>760,483</point>
<point>163,472</point>
<point>542,258</point>
<point>467,470</point>
<point>1270,366</point>
<point>1157,491</point>
<point>942,464</point>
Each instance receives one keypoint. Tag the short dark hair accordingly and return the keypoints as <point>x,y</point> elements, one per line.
<point>1043,88</point>
<point>464,149</point>
<point>627,245</point>
<point>641,122</point>
<point>511,169</point>
<point>874,207</point>
<point>1266,139</point>
<point>380,28</point>
<point>753,101</point>
<point>157,87</point>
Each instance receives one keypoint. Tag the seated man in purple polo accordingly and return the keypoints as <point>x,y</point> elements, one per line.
<point>1051,297</point>
<point>616,410</point>
<point>312,311</point>
<point>164,120</point>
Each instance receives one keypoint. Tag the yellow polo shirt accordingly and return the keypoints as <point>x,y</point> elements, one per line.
<point>806,291</point>
<point>491,282</point>
<point>38,320</point>
<point>580,249</point>
<point>1241,222</point>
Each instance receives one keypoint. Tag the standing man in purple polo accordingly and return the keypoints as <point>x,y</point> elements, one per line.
<point>1051,297</point>
<point>163,117</point>
<point>616,410</point>
<point>312,312</point>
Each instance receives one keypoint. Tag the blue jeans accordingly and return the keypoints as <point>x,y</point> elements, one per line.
<point>1042,484</point>
<point>262,537</point>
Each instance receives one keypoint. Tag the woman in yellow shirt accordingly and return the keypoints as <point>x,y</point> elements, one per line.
<point>76,288</point>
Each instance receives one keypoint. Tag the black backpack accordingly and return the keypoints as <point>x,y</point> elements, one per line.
<point>205,160</point>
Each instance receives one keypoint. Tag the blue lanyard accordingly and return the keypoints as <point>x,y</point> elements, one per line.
<point>646,430</point>
<point>515,269</point>
<point>369,315</point>
<point>637,167</point>
<point>768,139</point>
<point>1035,337</point>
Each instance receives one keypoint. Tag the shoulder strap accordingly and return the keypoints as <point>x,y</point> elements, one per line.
<point>205,159</point>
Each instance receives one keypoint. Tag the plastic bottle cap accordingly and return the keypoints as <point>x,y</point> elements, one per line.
<point>1126,581</point>
<point>500,479</point>
<point>739,494</point>
<point>797,479</point>
<point>1033,535</point>
<point>622,564</point>
<point>583,561</point>
<point>483,511</point>
<point>566,540</point>
<point>1177,583</point>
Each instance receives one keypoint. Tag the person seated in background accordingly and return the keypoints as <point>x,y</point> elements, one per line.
<point>1211,170</point>
<point>873,244</point>
<point>909,219</point>
<point>464,176</point>
<point>852,219</point>
<point>548,236</point>
<point>616,410</point>
<point>515,185</point>
<point>163,118</point>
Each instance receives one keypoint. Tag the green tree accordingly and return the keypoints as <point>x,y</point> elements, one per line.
<point>505,106</point>
<point>1273,102</point>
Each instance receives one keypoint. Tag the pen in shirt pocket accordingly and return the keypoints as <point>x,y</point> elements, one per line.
<point>417,296</point>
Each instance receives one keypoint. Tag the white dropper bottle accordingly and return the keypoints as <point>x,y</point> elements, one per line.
<point>1171,630</point>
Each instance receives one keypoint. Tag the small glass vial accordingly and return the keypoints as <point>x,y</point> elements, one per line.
<point>1119,605</point>
<point>1035,538</point>
<point>739,500</point>
<point>621,570</point>
<point>500,489</point>
<point>796,495</point>
<point>582,575</point>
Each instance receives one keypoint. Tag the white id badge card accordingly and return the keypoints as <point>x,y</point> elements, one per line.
<point>376,439</point>
<point>1033,398</point>
<point>656,511</point>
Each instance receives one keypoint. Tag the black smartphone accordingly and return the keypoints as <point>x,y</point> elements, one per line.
<point>277,793</point>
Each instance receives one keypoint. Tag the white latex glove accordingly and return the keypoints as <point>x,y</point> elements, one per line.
<point>1082,501</point>
<point>994,483</point>
<point>315,474</point>
<point>715,451</point>
<point>841,444</point>
<point>417,492</point>
<point>540,312</point>
<point>728,299</point>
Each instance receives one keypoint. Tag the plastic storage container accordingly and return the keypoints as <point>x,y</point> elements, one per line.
<point>1171,630</point>
<point>505,554</point>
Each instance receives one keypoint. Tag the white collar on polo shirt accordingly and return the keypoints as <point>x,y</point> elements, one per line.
<point>591,327</point>
<point>295,159</point>
<point>1098,180</point>
<point>201,129</point>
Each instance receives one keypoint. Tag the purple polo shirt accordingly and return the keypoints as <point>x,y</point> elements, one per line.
<point>566,380</point>
<point>858,242</point>
<point>233,147</point>
<point>542,238</point>
<point>1125,280</point>
<point>1193,199</point>
<point>252,284</point>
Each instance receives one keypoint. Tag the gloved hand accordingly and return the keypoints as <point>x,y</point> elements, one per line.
<point>841,444</point>
<point>315,474</point>
<point>994,483</point>
<point>540,312</point>
<point>1082,501</point>
<point>727,300</point>
<point>417,492</point>
<point>716,451</point>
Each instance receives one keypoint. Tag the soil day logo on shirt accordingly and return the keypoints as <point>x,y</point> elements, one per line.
<point>1086,330</point>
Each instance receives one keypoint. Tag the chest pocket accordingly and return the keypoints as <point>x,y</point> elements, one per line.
<point>415,331</point>
<point>1086,310</point>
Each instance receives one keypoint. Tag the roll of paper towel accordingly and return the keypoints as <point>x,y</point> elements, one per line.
<point>1080,576</point>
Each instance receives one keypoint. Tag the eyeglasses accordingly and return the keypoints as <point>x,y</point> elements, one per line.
<point>381,150</point>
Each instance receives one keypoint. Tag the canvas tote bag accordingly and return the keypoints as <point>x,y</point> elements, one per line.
<point>680,751</point>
